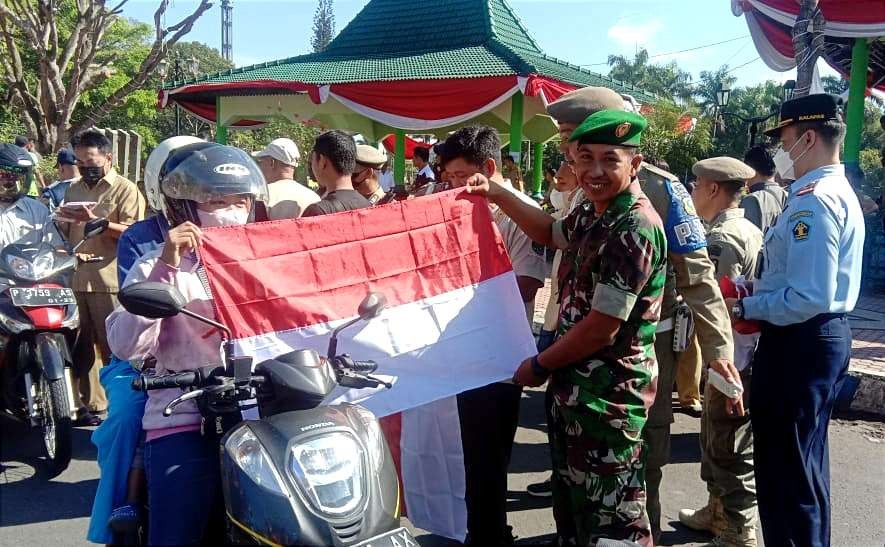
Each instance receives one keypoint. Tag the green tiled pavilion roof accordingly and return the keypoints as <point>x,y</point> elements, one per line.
<point>423,39</point>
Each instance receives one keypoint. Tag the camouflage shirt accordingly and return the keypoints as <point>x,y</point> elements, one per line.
<point>615,264</point>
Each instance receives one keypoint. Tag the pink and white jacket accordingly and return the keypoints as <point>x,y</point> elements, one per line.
<point>178,343</point>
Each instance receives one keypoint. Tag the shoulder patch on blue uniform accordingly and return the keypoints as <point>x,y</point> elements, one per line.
<point>801,230</point>
<point>799,214</point>
<point>807,190</point>
<point>685,232</point>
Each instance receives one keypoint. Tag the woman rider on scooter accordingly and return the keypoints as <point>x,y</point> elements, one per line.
<point>202,186</point>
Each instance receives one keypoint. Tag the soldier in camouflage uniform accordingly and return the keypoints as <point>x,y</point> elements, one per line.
<point>603,365</point>
<point>690,273</point>
<point>727,440</point>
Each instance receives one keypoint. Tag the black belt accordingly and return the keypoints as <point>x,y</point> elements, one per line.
<point>816,320</point>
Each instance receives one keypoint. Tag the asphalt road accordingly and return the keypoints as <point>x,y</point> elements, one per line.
<point>40,512</point>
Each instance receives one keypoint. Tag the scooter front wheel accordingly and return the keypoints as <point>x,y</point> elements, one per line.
<point>56,424</point>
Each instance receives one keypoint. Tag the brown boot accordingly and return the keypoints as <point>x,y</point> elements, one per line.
<point>735,536</point>
<point>709,518</point>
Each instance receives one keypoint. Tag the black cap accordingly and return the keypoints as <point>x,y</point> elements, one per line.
<point>817,108</point>
<point>22,141</point>
<point>66,157</point>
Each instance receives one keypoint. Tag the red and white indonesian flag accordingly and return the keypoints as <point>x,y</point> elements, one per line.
<point>455,319</point>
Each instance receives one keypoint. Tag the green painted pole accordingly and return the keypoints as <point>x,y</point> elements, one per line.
<point>399,157</point>
<point>860,59</point>
<point>537,167</point>
<point>220,128</point>
<point>516,105</point>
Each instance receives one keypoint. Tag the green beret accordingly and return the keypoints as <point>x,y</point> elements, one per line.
<point>617,127</point>
<point>723,169</point>
<point>576,105</point>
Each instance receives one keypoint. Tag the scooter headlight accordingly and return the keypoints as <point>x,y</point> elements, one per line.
<point>246,450</point>
<point>329,469</point>
<point>40,268</point>
<point>21,267</point>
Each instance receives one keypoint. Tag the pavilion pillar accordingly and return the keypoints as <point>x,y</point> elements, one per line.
<point>537,167</point>
<point>399,157</point>
<point>860,58</point>
<point>220,128</point>
<point>516,114</point>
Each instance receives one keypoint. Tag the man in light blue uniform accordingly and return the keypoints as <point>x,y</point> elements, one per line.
<point>810,280</point>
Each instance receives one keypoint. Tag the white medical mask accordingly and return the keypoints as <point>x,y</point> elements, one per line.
<point>784,164</point>
<point>557,199</point>
<point>229,216</point>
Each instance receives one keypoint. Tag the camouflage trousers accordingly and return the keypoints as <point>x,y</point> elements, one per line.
<point>598,480</point>
<point>727,456</point>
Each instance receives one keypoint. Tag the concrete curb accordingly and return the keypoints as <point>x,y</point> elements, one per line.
<point>862,392</point>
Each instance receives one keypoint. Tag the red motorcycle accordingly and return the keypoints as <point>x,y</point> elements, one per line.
<point>38,315</point>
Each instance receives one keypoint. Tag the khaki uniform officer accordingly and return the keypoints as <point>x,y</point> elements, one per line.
<point>734,244</point>
<point>369,161</point>
<point>96,284</point>
<point>689,271</point>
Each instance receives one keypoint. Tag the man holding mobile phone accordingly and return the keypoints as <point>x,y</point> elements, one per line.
<point>95,283</point>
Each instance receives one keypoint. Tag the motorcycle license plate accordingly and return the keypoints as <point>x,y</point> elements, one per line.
<point>395,538</point>
<point>33,297</point>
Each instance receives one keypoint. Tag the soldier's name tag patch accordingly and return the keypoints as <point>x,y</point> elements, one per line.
<point>800,214</point>
<point>800,231</point>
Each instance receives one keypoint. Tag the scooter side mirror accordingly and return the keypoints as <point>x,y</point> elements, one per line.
<point>152,300</point>
<point>94,227</point>
<point>372,306</point>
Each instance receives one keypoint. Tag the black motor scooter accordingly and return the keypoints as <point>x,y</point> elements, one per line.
<point>302,474</point>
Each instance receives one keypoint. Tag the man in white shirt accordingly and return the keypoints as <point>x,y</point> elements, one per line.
<point>421,160</point>
<point>385,177</point>
<point>489,414</point>
<point>287,198</point>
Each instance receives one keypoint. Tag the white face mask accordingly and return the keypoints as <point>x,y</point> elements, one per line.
<point>557,199</point>
<point>229,216</point>
<point>784,164</point>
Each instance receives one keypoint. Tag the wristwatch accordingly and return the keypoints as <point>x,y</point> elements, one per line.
<point>538,370</point>
<point>737,310</point>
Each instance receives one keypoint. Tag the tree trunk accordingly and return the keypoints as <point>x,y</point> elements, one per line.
<point>808,42</point>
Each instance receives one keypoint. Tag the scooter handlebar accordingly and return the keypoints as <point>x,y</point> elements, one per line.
<point>364,366</point>
<point>165,381</point>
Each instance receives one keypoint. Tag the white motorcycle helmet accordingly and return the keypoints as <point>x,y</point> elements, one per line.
<point>154,165</point>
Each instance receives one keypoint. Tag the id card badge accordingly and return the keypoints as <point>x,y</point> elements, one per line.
<point>683,327</point>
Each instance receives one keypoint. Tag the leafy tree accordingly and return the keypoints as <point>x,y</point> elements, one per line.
<point>834,85</point>
<point>56,53</point>
<point>711,81</point>
<point>256,139</point>
<point>323,25</point>
<point>666,139</point>
<point>874,174</point>
<point>663,80</point>
<point>732,135</point>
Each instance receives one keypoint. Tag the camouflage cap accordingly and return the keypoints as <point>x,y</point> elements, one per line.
<point>723,169</point>
<point>575,106</point>
<point>617,127</point>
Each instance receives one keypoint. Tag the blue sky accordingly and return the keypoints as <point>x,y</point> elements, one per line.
<point>582,32</point>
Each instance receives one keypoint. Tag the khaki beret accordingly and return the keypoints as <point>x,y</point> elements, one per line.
<point>723,169</point>
<point>575,106</point>
<point>369,155</point>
